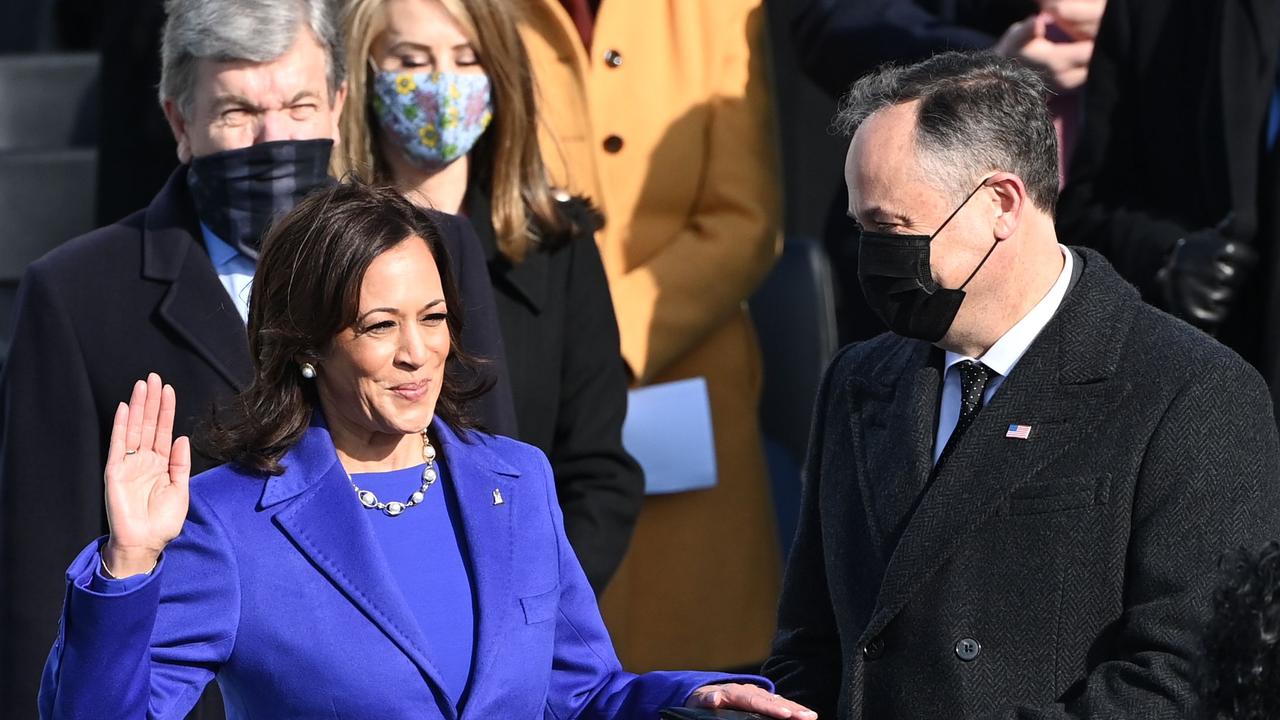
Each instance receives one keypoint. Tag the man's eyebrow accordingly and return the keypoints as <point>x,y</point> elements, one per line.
<point>224,100</point>
<point>875,213</point>
<point>303,95</point>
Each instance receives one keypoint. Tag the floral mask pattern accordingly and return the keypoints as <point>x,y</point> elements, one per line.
<point>434,118</point>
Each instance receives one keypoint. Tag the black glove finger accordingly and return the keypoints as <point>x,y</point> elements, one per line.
<point>1239,254</point>
<point>1228,274</point>
<point>1216,294</point>
<point>1206,316</point>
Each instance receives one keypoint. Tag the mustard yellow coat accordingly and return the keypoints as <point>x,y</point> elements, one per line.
<point>667,126</point>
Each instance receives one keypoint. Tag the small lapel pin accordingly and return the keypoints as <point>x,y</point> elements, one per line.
<point>497,497</point>
<point>1019,432</point>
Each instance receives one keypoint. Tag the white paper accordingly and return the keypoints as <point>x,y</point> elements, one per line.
<point>668,431</point>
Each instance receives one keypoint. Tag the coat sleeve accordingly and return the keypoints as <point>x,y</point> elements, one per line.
<point>50,502</point>
<point>481,335</point>
<point>150,650</point>
<point>601,487</point>
<point>839,41</point>
<point>673,301</point>
<point>805,662</point>
<point>1097,205</point>
<point>587,680</point>
<point>1210,483</point>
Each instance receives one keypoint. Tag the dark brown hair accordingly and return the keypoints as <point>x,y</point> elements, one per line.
<point>307,290</point>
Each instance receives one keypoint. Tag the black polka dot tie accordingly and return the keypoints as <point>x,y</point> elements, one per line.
<point>974,378</point>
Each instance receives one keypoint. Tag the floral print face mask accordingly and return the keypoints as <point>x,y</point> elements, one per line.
<point>434,117</point>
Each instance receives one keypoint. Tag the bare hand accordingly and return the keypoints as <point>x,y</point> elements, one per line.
<point>735,696</point>
<point>146,479</point>
<point>1078,18</point>
<point>1065,65</point>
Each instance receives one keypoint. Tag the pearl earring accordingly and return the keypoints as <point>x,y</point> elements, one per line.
<point>308,371</point>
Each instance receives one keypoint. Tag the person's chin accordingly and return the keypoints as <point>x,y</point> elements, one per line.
<point>410,417</point>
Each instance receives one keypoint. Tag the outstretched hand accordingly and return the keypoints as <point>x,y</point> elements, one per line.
<point>737,696</point>
<point>146,479</point>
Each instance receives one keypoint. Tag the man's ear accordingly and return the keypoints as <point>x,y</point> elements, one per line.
<point>1010,200</point>
<point>178,124</point>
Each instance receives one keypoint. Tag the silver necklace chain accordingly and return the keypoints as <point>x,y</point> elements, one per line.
<point>393,508</point>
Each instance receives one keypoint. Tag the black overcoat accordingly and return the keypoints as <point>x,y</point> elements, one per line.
<point>568,378</point>
<point>1173,141</point>
<point>1065,575</point>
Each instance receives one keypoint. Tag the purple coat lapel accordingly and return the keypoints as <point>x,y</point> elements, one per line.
<point>319,513</point>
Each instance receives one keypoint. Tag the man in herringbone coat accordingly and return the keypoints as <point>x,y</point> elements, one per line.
<point>1015,502</point>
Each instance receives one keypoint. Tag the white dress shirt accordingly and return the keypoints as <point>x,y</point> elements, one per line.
<point>1001,357</point>
<point>233,268</point>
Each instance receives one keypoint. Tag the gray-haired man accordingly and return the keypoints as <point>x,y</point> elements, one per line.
<point>1014,502</point>
<point>252,91</point>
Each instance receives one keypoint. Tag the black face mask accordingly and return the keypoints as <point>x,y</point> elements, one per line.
<point>238,193</point>
<point>898,284</point>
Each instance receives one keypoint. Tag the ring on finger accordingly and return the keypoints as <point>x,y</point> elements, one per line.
<point>130,452</point>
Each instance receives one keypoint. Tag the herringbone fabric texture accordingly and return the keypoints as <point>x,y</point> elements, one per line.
<point>1079,561</point>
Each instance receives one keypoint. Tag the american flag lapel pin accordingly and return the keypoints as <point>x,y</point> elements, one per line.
<point>1019,432</point>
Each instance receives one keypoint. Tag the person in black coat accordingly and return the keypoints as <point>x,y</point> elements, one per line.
<point>1014,502</point>
<point>1175,179</point>
<point>104,309</point>
<point>447,115</point>
<point>568,377</point>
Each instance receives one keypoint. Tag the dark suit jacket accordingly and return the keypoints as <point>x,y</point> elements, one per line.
<point>94,316</point>
<point>1172,142</point>
<point>569,380</point>
<point>1080,560</point>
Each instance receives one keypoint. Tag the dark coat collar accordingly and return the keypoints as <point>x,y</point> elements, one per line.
<point>196,306</point>
<point>529,280</point>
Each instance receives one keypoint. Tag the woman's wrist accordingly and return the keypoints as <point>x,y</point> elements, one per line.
<point>119,563</point>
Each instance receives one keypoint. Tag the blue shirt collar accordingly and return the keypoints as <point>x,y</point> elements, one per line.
<point>220,253</point>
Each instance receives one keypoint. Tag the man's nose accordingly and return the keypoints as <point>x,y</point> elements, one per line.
<point>276,125</point>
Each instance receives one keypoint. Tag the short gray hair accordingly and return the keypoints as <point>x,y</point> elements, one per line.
<point>254,30</point>
<point>978,112</point>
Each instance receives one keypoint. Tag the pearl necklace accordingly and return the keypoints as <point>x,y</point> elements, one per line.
<point>393,508</point>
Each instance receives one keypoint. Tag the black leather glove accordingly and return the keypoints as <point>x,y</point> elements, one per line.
<point>1203,275</point>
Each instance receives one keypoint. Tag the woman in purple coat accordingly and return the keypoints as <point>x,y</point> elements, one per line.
<point>365,551</point>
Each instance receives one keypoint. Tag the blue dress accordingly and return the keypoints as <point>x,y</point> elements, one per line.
<point>426,556</point>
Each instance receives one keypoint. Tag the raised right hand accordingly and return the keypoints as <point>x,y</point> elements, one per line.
<point>146,479</point>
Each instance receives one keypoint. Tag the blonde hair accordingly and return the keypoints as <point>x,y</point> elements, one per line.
<point>524,206</point>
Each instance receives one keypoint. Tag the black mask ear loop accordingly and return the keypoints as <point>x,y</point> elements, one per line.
<point>957,212</point>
